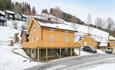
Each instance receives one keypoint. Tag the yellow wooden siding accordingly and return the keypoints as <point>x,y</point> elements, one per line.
<point>41,37</point>
<point>88,42</point>
<point>112,44</point>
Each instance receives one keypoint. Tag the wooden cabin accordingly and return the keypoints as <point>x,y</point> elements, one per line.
<point>10,15</point>
<point>88,41</point>
<point>49,40</point>
<point>112,43</point>
<point>23,17</point>
<point>2,18</point>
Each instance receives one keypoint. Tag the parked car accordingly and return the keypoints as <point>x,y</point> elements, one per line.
<point>89,49</point>
<point>109,50</point>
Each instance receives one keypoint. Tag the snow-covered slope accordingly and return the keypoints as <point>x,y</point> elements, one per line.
<point>11,61</point>
<point>7,32</point>
<point>10,56</point>
<point>99,35</point>
<point>16,24</point>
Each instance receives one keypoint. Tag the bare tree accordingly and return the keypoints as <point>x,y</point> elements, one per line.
<point>110,23</point>
<point>57,12</point>
<point>99,22</point>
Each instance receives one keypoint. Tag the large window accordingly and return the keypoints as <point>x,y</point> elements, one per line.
<point>67,36</point>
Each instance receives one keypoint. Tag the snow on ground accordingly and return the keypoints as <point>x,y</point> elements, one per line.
<point>16,24</point>
<point>100,51</point>
<point>109,66</point>
<point>83,53</point>
<point>8,59</point>
<point>6,33</point>
<point>12,61</point>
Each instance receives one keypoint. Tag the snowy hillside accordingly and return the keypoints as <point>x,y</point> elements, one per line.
<point>99,35</point>
<point>10,56</point>
<point>16,24</point>
<point>7,32</point>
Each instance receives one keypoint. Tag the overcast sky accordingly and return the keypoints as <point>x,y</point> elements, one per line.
<point>79,8</point>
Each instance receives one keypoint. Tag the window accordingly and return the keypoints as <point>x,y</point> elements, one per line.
<point>66,33</point>
<point>52,38</point>
<point>34,28</point>
<point>66,39</point>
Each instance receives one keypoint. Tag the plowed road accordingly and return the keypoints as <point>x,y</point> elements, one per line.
<point>75,62</point>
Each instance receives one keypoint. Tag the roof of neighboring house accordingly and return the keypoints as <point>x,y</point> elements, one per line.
<point>111,38</point>
<point>10,12</point>
<point>103,44</point>
<point>1,12</point>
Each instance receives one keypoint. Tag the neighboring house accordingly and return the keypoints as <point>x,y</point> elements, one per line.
<point>47,40</point>
<point>10,15</point>
<point>23,17</point>
<point>112,43</point>
<point>2,18</point>
<point>88,41</point>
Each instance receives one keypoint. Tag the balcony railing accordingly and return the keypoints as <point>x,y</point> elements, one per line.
<point>48,44</point>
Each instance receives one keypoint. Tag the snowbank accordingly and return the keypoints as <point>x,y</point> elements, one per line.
<point>83,53</point>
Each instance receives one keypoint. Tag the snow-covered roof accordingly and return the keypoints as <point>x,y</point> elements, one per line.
<point>3,13</point>
<point>111,38</point>
<point>10,12</point>
<point>55,25</point>
<point>103,44</point>
<point>40,17</point>
<point>24,15</point>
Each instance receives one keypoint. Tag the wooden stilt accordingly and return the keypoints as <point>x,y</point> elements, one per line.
<point>71,51</point>
<point>38,54</point>
<point>60,52</point>
<point>46,54</point>
<point>30,52</point>
<point>79,51</point>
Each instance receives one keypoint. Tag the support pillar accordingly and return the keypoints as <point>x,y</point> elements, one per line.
<point>30,52</point>
<point>38,54</point>
<point>79,51</point>
<point>71,51</point>
<point>46,54</point>
<point>60,52</point>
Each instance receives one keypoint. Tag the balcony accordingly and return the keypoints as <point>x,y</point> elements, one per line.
<point>48,44</point>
